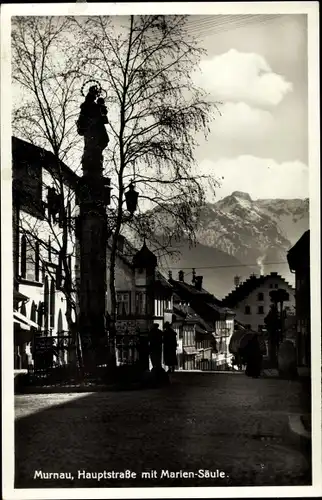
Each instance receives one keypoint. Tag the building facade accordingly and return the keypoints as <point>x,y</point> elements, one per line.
<point>299,263</point>
<point>144,296</point>
<point>44,202</point>
<point>204,327</point>
<point>251,300</point>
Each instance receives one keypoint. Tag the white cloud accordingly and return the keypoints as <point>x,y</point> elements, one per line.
<point>239,121</point>
<point>260,177</point>
<point>237,76</point>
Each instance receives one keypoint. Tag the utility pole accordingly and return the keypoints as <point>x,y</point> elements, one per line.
<point>94,196</point>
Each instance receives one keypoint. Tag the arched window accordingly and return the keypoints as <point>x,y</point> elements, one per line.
<point>60,333</point>
<point>23,252</point>
<point>60,327</point>
<point>37,262</point>
<point>260,296</point>
<point>40,313</point>
<point>52,304</point>
<point>46,303</point>
<point>33,312</point>
<point>23,309</point>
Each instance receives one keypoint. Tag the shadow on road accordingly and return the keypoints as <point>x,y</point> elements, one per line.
<point>233,426</point>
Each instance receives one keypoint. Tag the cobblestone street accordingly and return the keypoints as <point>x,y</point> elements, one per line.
<point>216,422</point>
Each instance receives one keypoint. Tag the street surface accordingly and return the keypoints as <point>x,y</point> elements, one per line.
<point>234,426</point>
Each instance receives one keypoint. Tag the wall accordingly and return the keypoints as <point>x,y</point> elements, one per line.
<point>255,319</point>
<point>40,229</point>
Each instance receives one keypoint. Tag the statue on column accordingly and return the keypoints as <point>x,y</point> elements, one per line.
<point>91,125</point>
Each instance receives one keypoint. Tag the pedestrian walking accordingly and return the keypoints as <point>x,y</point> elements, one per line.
<point>253,358</point>
<point>155,346</point>
<point>170,347</point>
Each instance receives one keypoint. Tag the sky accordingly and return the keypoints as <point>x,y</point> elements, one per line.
<point>257,69</point>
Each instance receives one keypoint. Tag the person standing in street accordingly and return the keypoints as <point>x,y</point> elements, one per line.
<point>169,347</point>
<point>253,358</point>
<point>155,346</point>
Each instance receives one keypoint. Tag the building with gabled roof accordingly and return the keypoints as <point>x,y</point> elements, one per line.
<point>251,300</point>
<point>203,325</point>
<point>144,295</point>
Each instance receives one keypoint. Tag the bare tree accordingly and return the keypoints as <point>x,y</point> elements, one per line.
<point>45,71</point>
<point>145,64</point>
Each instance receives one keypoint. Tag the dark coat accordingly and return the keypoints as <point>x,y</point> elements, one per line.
<point>253,358</point>
<point>170,347</point>
<point>155,346</point>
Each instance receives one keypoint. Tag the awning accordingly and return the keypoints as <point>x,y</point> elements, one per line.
<point>190,350</point>
<point>19,296</point>
<point>23,321</point>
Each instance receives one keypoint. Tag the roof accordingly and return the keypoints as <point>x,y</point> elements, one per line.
<point>187,289</point>
<point>127,256</point>
<point>145,258</point>
<point>299,254</point>
<point>23,151</point>
<point>204,304</point>
<point>247,287</point>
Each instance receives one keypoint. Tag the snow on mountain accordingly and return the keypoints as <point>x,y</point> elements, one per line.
<point>291,216</point>
<point>238,235</point>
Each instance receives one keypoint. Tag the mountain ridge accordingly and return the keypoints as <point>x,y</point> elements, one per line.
<point>256,234</point>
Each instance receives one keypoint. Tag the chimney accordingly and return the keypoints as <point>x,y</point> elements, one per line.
<point>181,276</point>
<point>237,281</point>
<point>198,282</point>
<point>170,275</point>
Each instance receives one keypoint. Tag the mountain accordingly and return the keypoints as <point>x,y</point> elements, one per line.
<point>238,235</point>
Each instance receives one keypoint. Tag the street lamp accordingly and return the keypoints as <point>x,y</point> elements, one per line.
<point>131,198</point>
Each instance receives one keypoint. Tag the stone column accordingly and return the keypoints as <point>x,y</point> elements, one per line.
<point>92,235</point>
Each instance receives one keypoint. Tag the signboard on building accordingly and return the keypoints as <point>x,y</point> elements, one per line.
<point>42,344</point>
<point>126,327</point>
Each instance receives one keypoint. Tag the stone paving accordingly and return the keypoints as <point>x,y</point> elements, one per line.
<point>234,425</point>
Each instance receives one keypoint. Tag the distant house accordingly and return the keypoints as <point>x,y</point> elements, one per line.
<point>251,300</point>
<point>299,262</point>
<point>204,327</point>
<point>144,296</point>
<point>38,302</point>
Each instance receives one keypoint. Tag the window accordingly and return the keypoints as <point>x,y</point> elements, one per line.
<point>260,296</point>
<point>123,303</point>
<point>260,310</point>
<point>140,303</point>
<point>30,262</point>
<point>46,303</point>
<point>52,304</point>
<point>276,285</point>
<point>247,309</point>
<point>23,256</point>
<point>270,285</point>
<point>248,326</point>
<point>37,262</point>
<point>29,259</point>
<point>49,250</point>
<point>188,338</point>
<point>33,312</point>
